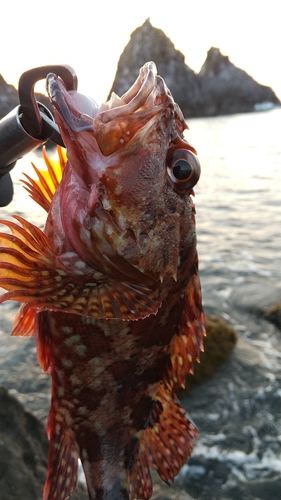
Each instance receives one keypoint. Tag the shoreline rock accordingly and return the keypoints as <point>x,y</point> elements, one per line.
<point>23,453</point>
<point>9,98</point>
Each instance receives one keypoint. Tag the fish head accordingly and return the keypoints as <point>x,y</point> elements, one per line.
<point>125,199</point>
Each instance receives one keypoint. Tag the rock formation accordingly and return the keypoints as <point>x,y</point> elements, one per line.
<point>229,89</point>
<point>151,44</point>
<point>9,98</point>
<point>23,453</point>
<point>219,88</point>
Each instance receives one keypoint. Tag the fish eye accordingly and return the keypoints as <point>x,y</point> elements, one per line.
<point>183,169</point>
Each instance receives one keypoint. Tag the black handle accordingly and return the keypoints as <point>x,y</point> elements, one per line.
<point>29,125</point>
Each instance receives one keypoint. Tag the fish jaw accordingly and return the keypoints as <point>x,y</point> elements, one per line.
<point>117,199</point>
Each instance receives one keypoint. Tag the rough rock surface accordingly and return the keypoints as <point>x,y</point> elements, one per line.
<point>273,313</point>
<point>23,453</point>
<point>9,98</point>
<point>151,44</point>
<point>219,88</point>
<point>229,89</point>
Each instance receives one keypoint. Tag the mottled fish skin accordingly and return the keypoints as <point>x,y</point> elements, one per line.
<point>110,289</point>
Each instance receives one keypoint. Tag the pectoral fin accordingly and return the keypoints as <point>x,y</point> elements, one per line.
<point>41,190</point>
<point>31,273</point>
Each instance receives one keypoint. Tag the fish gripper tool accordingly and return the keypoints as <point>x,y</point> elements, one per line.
<point>29,125</point>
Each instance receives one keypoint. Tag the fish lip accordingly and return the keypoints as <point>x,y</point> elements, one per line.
<point>69,107</point>
<point>64,103</point>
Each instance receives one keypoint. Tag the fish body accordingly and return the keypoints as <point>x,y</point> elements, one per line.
<point>110,289</point>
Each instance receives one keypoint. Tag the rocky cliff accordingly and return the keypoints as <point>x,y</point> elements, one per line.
<point>229,89</point>
<point>9,98</point>
<point>219,88</point>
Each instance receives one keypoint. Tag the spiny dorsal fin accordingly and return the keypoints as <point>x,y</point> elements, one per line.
<point>42,189</point>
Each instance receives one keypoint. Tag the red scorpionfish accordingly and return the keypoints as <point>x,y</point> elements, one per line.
<point>110,289</point>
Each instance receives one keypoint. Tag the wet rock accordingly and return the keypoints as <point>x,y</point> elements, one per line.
<point>273,314</point>
<point>9,98</point>
<point>23,453</point>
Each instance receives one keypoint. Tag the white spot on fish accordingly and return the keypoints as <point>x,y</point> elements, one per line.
<point>83,410</point>
<point>81,349</point>
<point>124,331</point>
<point>95,384</point>
<point>72,340</point>
<point>86,320</point>
<point>95,361</point>
<point>60,391</point>
<point>98,370</point>
<point>80,264</point>
<point>67,363</point>
<point>105,400</point>
<point>75,380</point>
<point>67,329</point>
<point>98,425</point>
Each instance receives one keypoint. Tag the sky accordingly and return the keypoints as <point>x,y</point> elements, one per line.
<point>90,36</point>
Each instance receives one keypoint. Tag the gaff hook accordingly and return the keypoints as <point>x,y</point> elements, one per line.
<point>29,125</point>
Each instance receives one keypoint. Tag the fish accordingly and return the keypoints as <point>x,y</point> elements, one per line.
<point>110,288</point>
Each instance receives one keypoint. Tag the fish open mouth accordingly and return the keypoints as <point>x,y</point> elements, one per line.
<point>114,123</point>
<point>69,102</point>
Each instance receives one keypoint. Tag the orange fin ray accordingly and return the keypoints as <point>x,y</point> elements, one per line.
<point>62,463</point>
<point>42,189</point>
<point>164,445</point>
<point>24,320</point>
<point>31,273</point>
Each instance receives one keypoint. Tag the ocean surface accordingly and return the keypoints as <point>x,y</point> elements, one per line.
<point>238,204</point>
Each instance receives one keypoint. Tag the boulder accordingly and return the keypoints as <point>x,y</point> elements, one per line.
<point>273,314</point>
<point>9,98</point>
<point>23,453</point>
